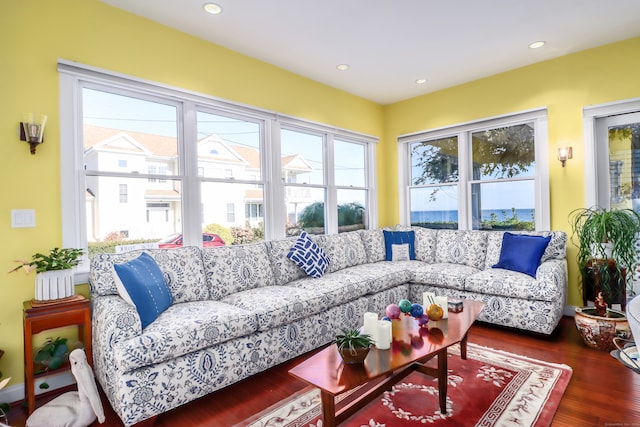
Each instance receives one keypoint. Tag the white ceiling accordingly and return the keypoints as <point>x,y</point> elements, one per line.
<point>389,44</point>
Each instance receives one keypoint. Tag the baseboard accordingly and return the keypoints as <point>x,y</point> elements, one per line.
<point>15,393</point>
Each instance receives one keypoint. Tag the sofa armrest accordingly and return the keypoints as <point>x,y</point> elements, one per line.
<point>553,278</point>
<point>113,320</point>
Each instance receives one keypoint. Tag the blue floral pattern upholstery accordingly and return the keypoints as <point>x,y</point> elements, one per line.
<point>231,269</point>
<point>239,310</point>
<point>181,267</point>
<point>462,247</point>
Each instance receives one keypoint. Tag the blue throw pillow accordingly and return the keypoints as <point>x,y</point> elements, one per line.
<point>399,238</point>
<point>308,256</point>
<point>522,252</point>
<point>144,284</point>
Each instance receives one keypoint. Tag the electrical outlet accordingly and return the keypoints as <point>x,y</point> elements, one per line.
<point>23,218</point>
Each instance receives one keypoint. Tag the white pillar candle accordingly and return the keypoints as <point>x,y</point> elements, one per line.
<point>444,304</point>
<point>384,335</point>
<point>428,298</point>
<point>371,325</point>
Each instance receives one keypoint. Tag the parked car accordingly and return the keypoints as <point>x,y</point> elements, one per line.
<point>175,241</point>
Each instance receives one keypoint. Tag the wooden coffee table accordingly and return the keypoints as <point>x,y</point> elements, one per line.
<point>411,349</point>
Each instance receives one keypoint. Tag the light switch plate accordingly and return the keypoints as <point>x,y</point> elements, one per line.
<point>23,218</point>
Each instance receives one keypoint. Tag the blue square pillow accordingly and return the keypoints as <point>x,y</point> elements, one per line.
<point>522,252</point>
<point>144,285</point>
<point>399,238</point>
<point>308,256</point>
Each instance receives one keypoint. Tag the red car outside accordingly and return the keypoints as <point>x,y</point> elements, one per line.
<point>175,241</point>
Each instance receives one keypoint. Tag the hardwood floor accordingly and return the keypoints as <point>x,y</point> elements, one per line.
<point>602,391</point>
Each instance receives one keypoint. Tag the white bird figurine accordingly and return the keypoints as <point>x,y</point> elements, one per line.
<point>75,408</point>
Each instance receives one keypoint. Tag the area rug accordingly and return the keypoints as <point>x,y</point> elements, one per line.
<point>490,388</point>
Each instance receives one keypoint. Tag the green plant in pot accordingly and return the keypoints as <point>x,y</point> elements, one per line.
<point>606,249</point>
<point>606,252</point>
<point>54,278</point>
<point>353,345</point>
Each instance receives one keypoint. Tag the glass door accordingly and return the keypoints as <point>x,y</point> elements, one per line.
<point>618,166</point>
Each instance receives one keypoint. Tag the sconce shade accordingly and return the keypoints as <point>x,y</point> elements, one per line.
<point>565,153</point>
<point>32,129</point>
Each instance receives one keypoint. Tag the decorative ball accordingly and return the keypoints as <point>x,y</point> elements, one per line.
<point>435,312</point>
<point>386,318</point>
<point>405,305</point>
<point>423,320</point>
<point>416,310</point>
<point>393,311</point>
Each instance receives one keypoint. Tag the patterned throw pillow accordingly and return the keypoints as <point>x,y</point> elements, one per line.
<point>308,256</point>
<point>140,282</point>
<point>399,238</point>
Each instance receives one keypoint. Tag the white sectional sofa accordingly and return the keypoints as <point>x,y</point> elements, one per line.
<point>238,310</point>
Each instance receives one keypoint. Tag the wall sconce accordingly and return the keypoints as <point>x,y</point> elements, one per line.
<point>565,153</point>
<point>32,129</point>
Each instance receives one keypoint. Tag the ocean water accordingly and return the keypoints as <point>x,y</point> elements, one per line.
<point>452,216</point>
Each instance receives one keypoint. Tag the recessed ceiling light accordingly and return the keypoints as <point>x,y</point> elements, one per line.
<point>212,8</point>
<point>343,67</point>
<point>536,45</point>
<point>421,81</point>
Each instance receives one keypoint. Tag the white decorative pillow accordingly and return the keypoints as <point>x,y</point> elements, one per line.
<point>308,256</point>
<point>400,252</point>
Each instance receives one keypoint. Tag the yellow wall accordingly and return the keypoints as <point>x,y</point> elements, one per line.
<point>565,86</point>
<point>34,34</point>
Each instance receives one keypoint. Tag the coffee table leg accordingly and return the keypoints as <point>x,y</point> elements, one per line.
<point>443,380</point>
<point>463,347</point>
<point>328,409</point>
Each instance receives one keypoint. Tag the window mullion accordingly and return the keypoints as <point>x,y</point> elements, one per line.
<point>464,178</point>
<point>331,207</point>
<point>191,183</point>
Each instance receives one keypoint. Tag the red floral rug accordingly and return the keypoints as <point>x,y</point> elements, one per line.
<point>490,388</point>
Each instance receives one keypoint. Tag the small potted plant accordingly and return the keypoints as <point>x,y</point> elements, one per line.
<point>54,278</point>
<point>353,346</point>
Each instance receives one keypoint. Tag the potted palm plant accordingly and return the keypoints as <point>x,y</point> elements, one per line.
<point>353,345</point>
<point>54,278</point>
<point>606,252</point>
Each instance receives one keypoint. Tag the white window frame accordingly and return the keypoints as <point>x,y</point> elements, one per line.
<point>72,77</point>
<point>591,164</point>
<point>536,116</point>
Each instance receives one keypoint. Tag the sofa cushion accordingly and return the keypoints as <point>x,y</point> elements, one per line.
<point>445,275</point>
<point>556,249</point>
<point>522,252</point>
<point>461,247</point>
<point>308,256</point>
<point>284,269</point>
<point>399,238</point>
<point>230,269</point>
<point>279,305</point>
<point>425,244</point>
<point>512,284</point>
<point>381,275</point>
<point>140,282</point>
<point>373,241</point>
<point>338,288</point>
<point>344,249</point>
<point>182,329</point>
<point>182,269</point>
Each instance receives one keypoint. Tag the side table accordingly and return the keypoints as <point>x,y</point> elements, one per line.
<point>38,317</point>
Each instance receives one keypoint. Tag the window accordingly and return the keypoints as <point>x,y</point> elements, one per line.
<point>187,163</point>
<point>483,176</point>
<point>124,193</point>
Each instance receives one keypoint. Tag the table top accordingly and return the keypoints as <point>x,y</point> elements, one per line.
<point>411,343</point>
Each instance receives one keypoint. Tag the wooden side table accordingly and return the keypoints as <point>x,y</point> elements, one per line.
<point>40,317</point>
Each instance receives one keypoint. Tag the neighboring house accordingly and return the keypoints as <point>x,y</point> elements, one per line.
<point>151,207</point>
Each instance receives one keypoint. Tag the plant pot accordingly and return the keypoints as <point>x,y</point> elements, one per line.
<point>598,332</point>
<point>56,284</point>
<point>357,355</point>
